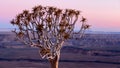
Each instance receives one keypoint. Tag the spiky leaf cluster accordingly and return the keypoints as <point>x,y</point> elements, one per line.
<point>47,27</point>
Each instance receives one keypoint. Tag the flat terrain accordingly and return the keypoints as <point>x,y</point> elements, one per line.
<point>29,58</point>
<point>94,51</point>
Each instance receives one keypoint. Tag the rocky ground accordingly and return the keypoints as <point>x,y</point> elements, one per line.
<point>103,52</point>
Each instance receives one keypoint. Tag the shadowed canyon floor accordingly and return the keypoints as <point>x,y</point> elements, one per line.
<point>103,52</point>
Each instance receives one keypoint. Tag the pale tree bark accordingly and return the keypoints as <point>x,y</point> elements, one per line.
<point>55,62</point>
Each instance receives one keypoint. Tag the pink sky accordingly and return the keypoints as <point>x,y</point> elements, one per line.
<point>103,15</point>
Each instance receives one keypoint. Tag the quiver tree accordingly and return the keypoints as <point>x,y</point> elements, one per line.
<point>47,28</point>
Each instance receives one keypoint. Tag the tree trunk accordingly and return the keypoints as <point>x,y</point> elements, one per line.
<point>54,62</point>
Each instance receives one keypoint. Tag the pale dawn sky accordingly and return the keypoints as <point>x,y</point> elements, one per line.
<point>103,15</point>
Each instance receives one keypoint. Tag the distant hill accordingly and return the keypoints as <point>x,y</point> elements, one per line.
<point>7,30</point>
<point>102,32</point>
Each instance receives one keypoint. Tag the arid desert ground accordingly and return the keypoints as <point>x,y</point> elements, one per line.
<point>92,51</point>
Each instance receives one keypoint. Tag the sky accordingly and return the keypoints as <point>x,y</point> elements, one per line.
<point>102,15</point>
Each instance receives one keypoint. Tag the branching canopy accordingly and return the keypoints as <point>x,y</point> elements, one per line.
<point>48,28</point>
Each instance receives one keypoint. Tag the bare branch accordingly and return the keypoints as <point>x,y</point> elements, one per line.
<point>48,28</point>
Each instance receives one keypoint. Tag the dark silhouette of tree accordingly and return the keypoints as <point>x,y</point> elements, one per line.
<point>47,28</point>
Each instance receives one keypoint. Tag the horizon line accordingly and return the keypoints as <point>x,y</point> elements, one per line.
<point>10,29</point>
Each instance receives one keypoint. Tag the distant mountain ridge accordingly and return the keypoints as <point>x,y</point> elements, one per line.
<point>101,32</point>
<point>88,31</point>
